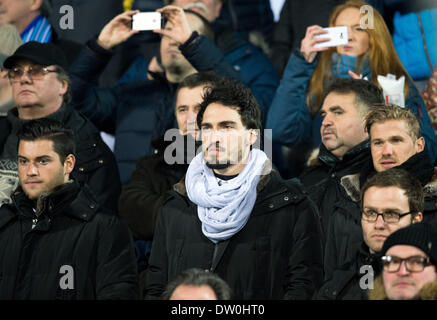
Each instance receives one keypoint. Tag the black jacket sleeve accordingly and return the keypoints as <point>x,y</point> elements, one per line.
<point>116,273</point>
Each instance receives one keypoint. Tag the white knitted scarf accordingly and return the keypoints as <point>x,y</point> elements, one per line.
<point>224,209</point>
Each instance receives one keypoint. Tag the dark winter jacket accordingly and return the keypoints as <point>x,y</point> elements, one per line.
<point>345,230</point>
<point>71,250</point>
<point>136,112</point>
<point>291,120</point>
<point>143,196</point>
<point>95,163</point>
<point>322,177</point>
<point>277,254</point>
<point>351,280</point>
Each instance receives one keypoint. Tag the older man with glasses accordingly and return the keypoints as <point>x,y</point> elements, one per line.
<point>41,89</point>
<point>409,265</point>
<point>390,200</point>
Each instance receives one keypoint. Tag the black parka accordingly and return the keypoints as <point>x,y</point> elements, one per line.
<point>72,250</point>
<point>323,177</point>
<point>276,255</point>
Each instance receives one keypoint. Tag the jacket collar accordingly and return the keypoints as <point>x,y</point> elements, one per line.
<point>354,155</point>
<point>419,165</point>
<point>68,199</point>
<point>60,115</point>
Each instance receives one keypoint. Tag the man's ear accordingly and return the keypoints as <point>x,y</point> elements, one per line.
<point>418,217</point>
<point>420,144</point>
<point>69,163</point>
<point>36,5</point>
<point>254,133</point>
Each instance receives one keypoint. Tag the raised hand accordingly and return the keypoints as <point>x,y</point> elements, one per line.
<point>177,27</point>
<point>117,30</point>
<point>307,43</point>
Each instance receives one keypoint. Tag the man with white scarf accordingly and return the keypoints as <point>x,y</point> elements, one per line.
<point>233,214</point>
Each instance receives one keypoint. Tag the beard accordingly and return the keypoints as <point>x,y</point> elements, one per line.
<point>217,166</point>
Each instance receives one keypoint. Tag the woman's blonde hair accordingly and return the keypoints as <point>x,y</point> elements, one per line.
<point>382,56</point>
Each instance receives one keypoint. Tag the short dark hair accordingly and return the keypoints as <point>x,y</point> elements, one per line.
<point>199,277</point>
<point>366,93</point>
<point>233,94</point>
<point>52,130</point>
<point>198,79</point>
<point>401,179</point>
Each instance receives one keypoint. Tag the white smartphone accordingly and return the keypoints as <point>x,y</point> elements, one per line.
<point>144,21</point>
<point>338,36</point>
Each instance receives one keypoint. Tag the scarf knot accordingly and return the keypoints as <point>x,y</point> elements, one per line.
<point>224,209</point>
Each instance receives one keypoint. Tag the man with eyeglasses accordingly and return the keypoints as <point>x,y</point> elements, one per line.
<point>409,259</point>
<point>395,142</point>
<point>390,200</point>
<point>41,89</point>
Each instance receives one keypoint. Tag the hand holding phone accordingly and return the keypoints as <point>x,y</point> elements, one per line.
<point>338,37</point>
<point>146,21</point>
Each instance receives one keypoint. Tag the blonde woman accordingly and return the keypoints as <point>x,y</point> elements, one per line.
<point>294,114</point>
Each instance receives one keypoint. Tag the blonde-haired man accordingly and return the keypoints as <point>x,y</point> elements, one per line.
<point>395,142</point>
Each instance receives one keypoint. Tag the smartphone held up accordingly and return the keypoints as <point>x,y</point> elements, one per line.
<point>338,37</point>
<point>147,21</point>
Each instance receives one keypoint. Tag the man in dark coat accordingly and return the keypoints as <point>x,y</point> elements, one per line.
<point>395,142</point>
<point>345,145</point>
<point>234,215</point>
<point>397,197</point>
<point>41,89</point>
<point>156,174</point>
<point>56,241</point>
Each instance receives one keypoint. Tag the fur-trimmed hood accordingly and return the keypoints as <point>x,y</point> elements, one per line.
<point>351,184</point>
<point>428,292</point>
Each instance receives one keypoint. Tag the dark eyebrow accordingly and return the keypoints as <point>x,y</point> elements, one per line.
<point>397,210</point>
<point>181,106</point>
<point>45,156</point>
<point>226,123</point>
<point>335,108</point>
<point>396,137</point>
